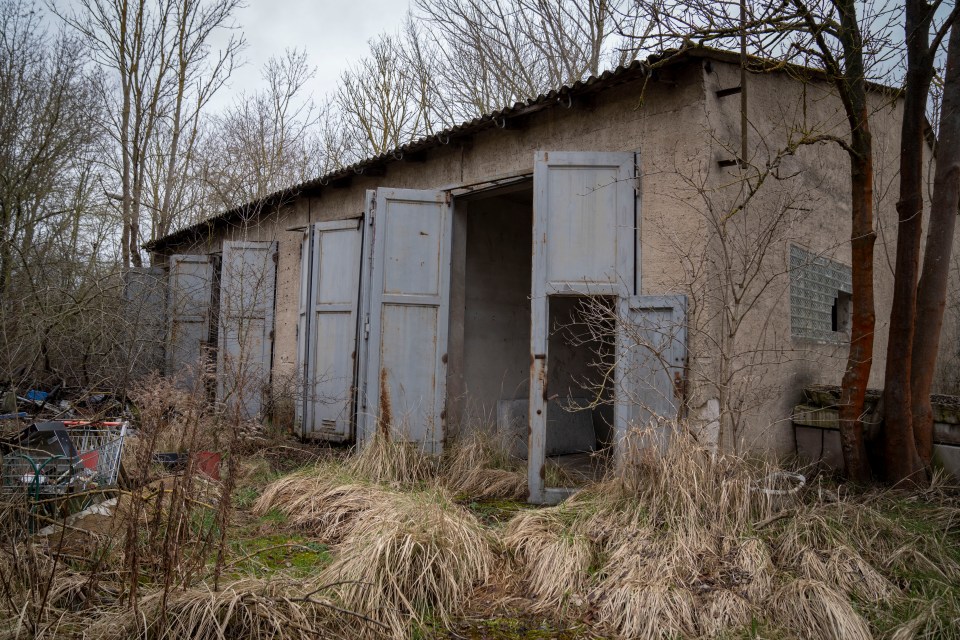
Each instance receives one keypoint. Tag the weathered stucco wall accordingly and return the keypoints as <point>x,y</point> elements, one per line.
<point>744,280</point>
<point>692,240</point>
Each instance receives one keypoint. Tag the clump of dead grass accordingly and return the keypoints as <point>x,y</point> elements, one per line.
<point>40,595</point>
<point>554,558</point>
<point>323,500</point>
<point>249,608</point>
<point>682,541</point>
<point>814,610</point>
<point>480,466</point>
<point>411,555</point>
<point>386,460</point>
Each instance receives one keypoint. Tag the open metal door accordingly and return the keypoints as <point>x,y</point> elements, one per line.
<point>245,342</point>
<point>329,303</point>
<point>651,366</point>
<point>189,288</point>
<point>408,316</point>
<point>585,243</point>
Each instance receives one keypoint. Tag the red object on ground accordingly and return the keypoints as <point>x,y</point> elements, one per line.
<point>208,462</point>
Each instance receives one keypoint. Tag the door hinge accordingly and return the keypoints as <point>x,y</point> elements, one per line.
<point>366,327</point>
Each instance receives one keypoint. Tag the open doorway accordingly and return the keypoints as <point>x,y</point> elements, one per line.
<point>581,347</point>
<point>489,372</point>
<point>490,335</point>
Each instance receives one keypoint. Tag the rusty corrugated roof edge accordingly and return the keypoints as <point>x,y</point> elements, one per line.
<point>622,74</point>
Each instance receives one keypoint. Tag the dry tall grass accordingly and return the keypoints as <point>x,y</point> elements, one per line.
<point>480,466</point>
<point>412,555</point>
<point>251,609</point>
<point>554,558</point>
<point>689,543</point>
<point>399,555</point>
<point>387,460</point>
<point>323,500</point>
<point>813,610</point>
<point>682,544</point>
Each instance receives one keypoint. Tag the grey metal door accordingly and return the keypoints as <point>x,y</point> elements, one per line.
<point>188,314</point>
<point>304,301</point>
<point>584,243</point>
<point>408,316</point>
<point>245,342</point>
<point>327,331</point>
<point>145,302</point>
<point>651,364</point>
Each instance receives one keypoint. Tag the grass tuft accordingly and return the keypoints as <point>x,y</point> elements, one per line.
<point>554,561</point>
<point>480,466</point>
<point>322,500</point>
<point>814,610</point>
<point>249,608</point>
<point>411,557</point>
<point>386,460</point>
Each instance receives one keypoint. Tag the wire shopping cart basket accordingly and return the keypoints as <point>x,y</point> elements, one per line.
<point>51,463</point>
<point>99,447</point>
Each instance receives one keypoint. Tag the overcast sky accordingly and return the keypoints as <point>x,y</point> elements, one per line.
<point>334,33</point>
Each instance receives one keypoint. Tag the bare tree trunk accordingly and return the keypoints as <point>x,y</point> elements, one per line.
<point>854,385</point>
<point>853,90</point>
<point>125,107</point>
<point>932,294</point>
<point>899,452</point>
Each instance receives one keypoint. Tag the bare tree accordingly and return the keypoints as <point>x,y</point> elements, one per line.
<point>55,239</point>
<point>267,140</point>
<point>497,52</point>
<point>932,288</point>
<point>908,449</point>
<point>157,52</point>
<point>382,99</point>
<point>47,110</point>
<point>847,47</point>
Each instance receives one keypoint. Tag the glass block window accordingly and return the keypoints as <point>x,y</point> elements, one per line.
<point>820,291</point>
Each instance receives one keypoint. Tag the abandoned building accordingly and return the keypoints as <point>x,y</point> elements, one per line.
<point>555,272</point>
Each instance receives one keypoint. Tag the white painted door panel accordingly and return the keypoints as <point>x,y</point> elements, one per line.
<point>584,243</point>
<point>331,329</point>
<point>301,411</point>
<point>409,308</point>
<point>584,222</point>
<point>188,312</point>
<point>651,364</point>
<point>247,285</point>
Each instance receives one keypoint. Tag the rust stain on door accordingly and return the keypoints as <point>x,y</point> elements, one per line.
<point>386,415</point>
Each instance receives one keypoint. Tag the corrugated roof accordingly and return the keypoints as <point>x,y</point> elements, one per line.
<point>497,119</point>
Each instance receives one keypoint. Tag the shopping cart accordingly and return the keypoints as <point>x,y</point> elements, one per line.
<point>58,466</point>
<point>99,447</point>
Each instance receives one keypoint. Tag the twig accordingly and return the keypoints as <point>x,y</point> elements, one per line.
<point>772,519</point>
<point>308,598</point>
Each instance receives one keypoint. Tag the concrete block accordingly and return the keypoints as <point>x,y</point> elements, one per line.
<point>948,457</point>
<point>819,445</point>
